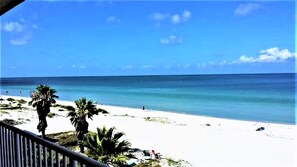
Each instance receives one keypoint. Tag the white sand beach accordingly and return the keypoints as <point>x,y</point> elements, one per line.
<point>202,141</point>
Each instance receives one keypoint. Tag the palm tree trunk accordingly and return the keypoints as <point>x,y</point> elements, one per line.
<point>82,150</point>
<point>43,134</point>
<point>42,125</point>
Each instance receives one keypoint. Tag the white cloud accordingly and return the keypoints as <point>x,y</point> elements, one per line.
<point>188,65</point>
<point>269,55</point>
<point>113,19</point>
<point>13,27</point>
<point>172,39</point>
<point>186,14</point>
<point>211,63</point>
<point>80,67</point>
<point>148,66</point>
<point>18,42</point>
<point>223,62</point>
<point>34,26</point>
<point>160,16</point>
<point>172,17</point>
<point>175,18</point>
<point>127,67</point>
<point>246,8</point>
<point>22,40</point>
<point>21,31</point>
<point>201,65</point>
<point>169,66</point>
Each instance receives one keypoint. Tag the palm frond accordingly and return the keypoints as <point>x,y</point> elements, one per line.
<point>109,132</point>
<point>118,135</point>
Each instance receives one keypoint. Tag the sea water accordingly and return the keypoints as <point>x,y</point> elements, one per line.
<point>254,97</point>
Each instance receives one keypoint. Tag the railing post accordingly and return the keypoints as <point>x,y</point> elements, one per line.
<point>73,163</point>
<point>5,147</point>
<point>57,159</point>
<point>1,148</point>
<point>34,154</point>
<point>21,149</point>
<point>17,150</point>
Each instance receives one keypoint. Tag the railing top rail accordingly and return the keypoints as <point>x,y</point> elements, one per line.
<point>75,156</point>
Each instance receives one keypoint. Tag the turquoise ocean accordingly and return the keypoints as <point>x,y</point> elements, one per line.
<point>253,97</point>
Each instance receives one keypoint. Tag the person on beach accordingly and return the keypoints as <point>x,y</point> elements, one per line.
<point>143,108</point>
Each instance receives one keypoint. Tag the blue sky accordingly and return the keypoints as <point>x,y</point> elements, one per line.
<point>94,38</point>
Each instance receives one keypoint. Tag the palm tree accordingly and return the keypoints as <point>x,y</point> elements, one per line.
<point>106,146</point>
<point>42,99</point>
<point>78,118</point>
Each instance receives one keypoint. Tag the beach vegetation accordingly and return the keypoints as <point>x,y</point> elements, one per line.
<point>56,105</point>
<point>4,112</point>
<point>11,122</point>
<point>5,105</point>
<point>106,146</point>
<point>9,107</point>
<point>68,107</point>
<point>150,163</point>
<point>10,99</point>
<point>67,139</point>
<point>51,115</point>
<point>125,115</point>
<point>42,98</point>
<point>22,101</point>
<point>157,119</point>
<point>78,117</point>
<point>100,110</point>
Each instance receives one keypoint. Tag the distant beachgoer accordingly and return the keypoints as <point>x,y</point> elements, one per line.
<point>153,154</point>
<point>7,92</point>
<point>143,108</point>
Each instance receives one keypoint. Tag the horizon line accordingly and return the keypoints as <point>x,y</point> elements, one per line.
<point>148,75</point>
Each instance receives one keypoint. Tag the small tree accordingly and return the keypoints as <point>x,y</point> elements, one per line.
<point>42,99</point>
<point>78,118</point>
<point>106,146</point>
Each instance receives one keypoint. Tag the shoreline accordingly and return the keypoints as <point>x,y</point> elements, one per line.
<point>202,141</point>
<point>164,112</point>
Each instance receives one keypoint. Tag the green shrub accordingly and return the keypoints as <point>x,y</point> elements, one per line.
<point>51,115</point>
<point>56,105</point>
<point>150,163</point>
<point>69,108</point>
<point>99,110</point>
<point>4,112</point>
<point>22,101</point>
<point>10,99</point>
<point>67,139</point>
<point>5,105</point>
<point>172,162</point>
<point>11,122</point>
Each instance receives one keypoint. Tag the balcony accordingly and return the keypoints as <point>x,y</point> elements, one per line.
<point>20,148</point>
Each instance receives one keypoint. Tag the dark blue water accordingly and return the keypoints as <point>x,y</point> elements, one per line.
<point>255,97</point>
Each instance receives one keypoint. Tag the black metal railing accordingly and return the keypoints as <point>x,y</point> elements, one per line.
<point>20,148</point>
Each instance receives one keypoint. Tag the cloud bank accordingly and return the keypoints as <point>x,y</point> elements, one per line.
<point>172,39</point>
<point>246,8</point>
<point>174,18</point>
<point>269,55</point>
